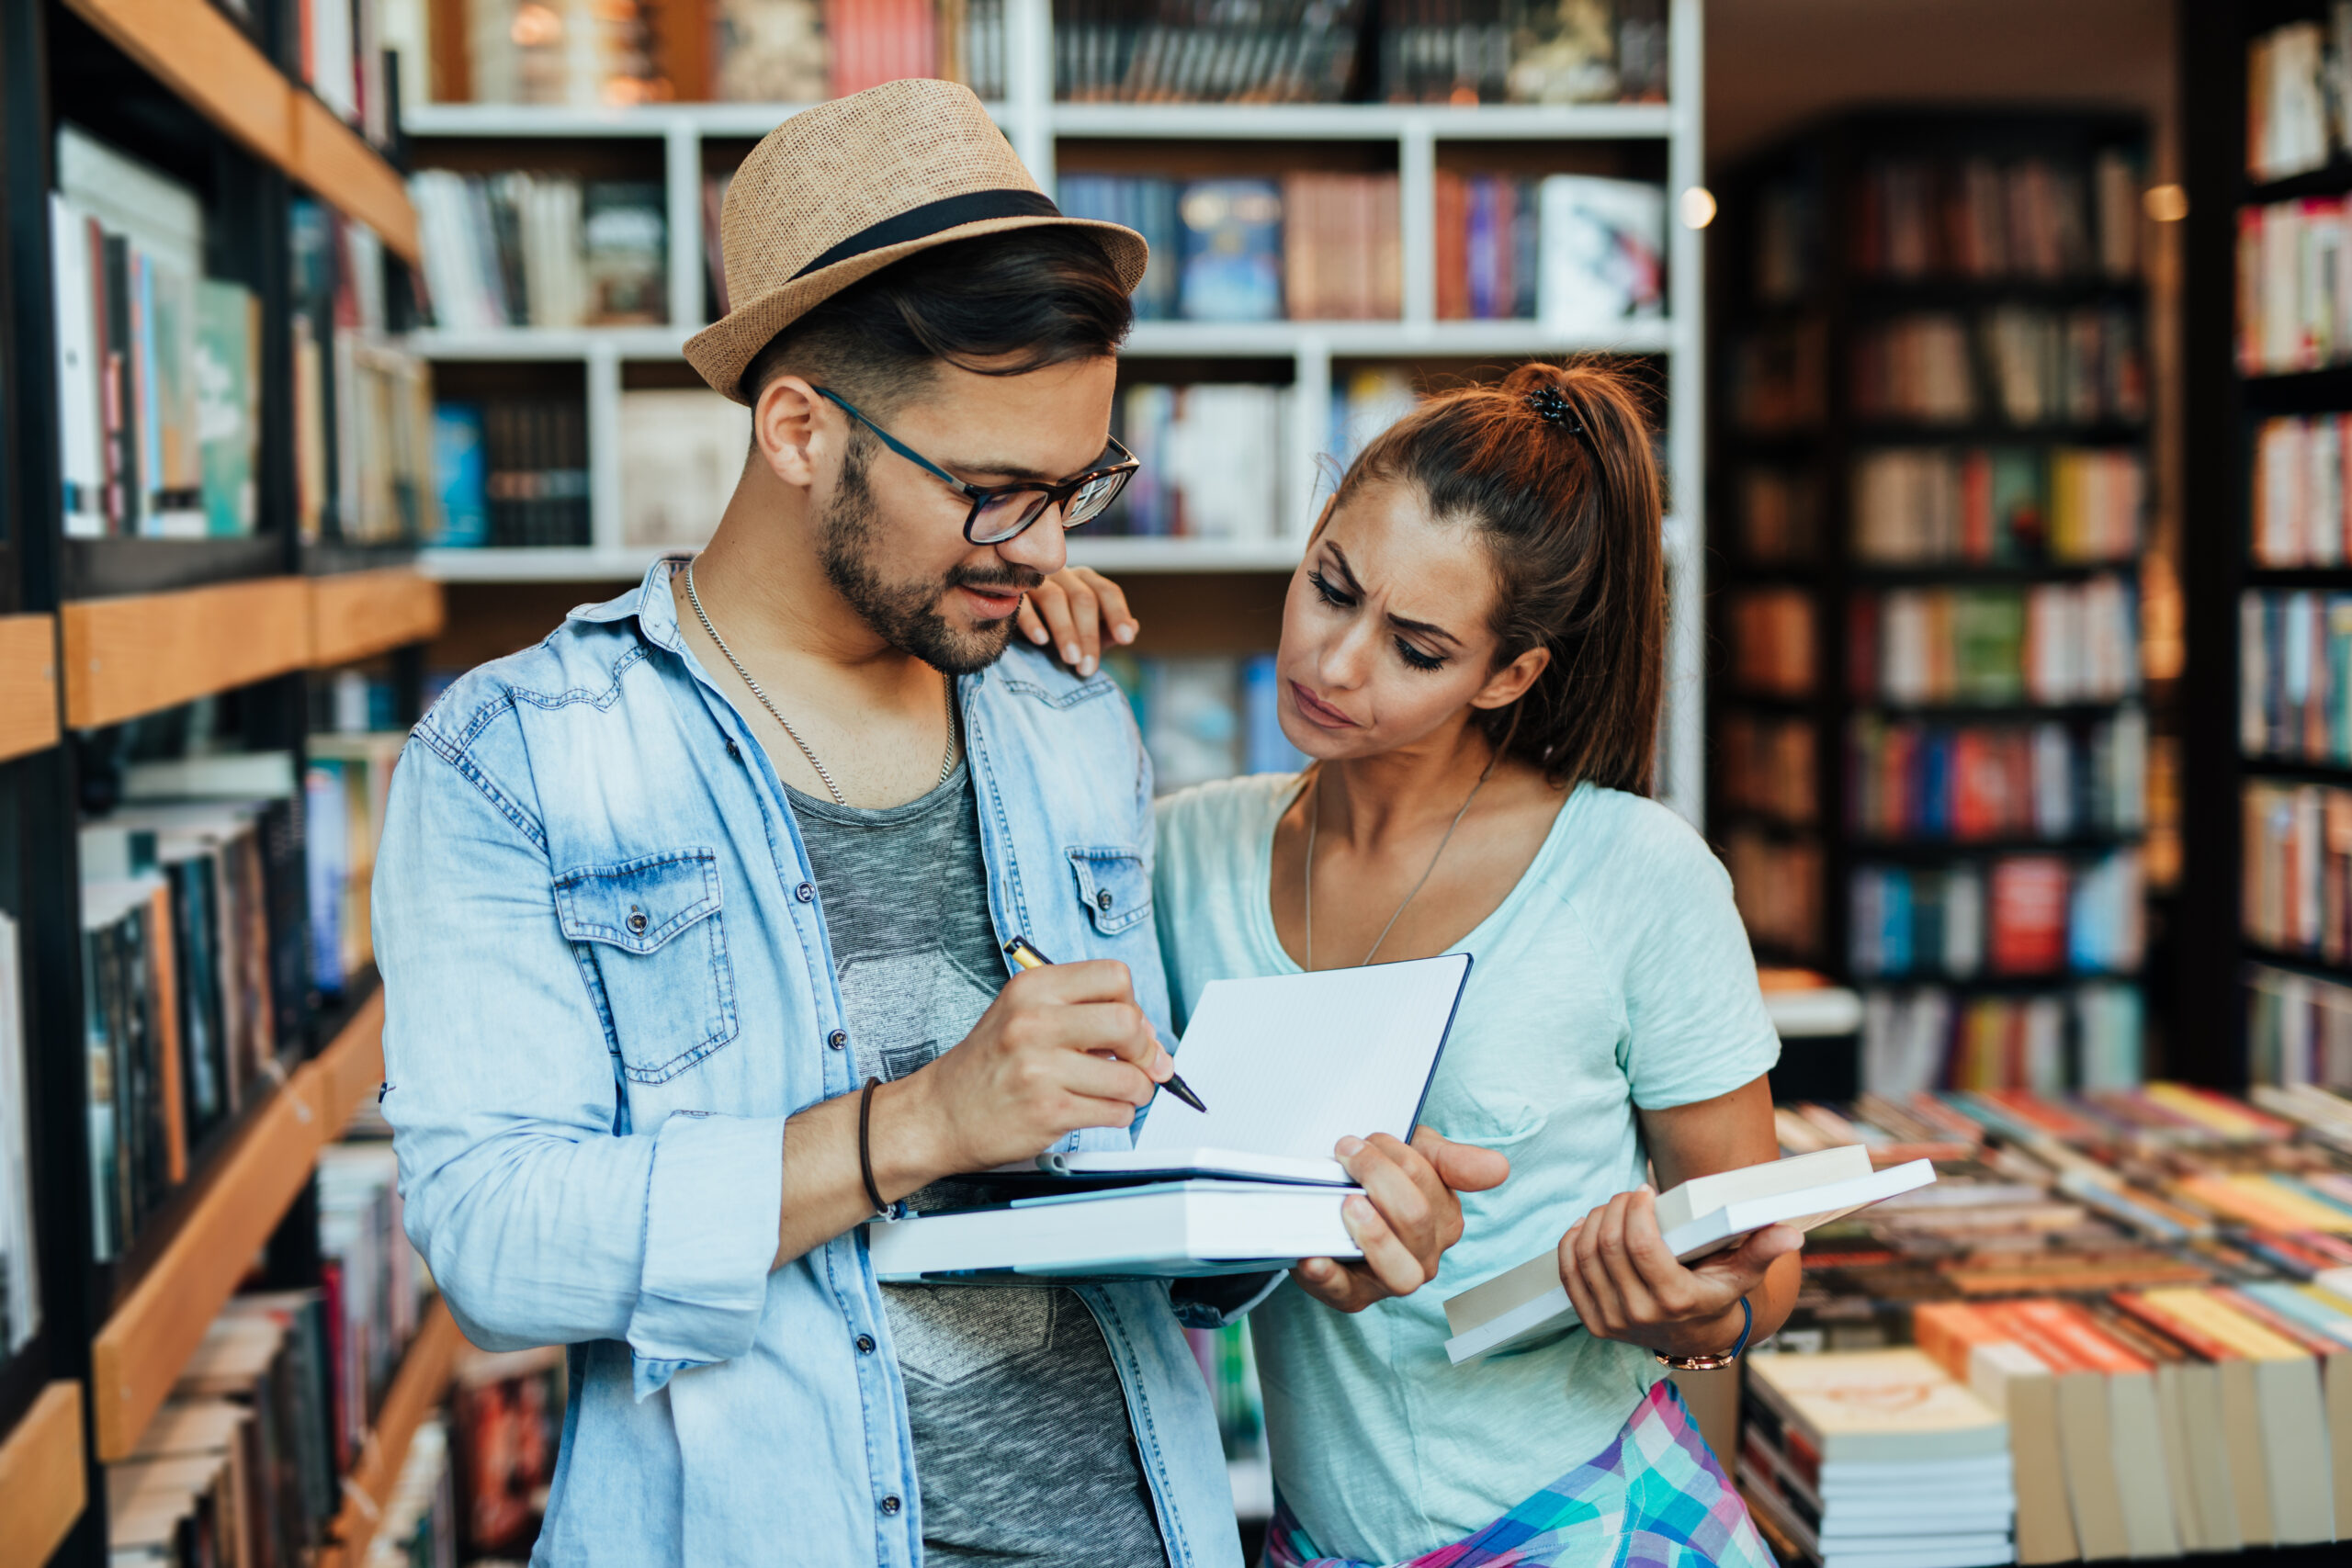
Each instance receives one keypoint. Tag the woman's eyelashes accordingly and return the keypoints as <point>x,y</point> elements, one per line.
<point>1413,657</point>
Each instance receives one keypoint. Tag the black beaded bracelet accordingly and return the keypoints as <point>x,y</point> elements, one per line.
<point>865,1146</point>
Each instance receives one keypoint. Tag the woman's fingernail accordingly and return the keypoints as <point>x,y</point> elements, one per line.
<point>1125,631</point>
<point>1085,665</point>
<point>1070,653</point>
<point>1037,634</point>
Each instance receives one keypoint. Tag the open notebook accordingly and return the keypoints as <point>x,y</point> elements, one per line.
<point>1288,1065</point>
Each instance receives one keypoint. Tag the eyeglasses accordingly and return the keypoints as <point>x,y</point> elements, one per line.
<point>1001,511</point>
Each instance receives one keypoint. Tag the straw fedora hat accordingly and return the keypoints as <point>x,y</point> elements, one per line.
<point>843,190</point>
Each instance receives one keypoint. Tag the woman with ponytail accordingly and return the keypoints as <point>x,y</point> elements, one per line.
<point>1472,657</point>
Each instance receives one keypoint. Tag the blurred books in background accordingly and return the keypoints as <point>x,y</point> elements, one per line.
<point>2299,94</point>
<point>1523,52</point>
<point>2010,915</point>
<point>1997,505</point>
<point>1204,52</point>
<point>2296,844</point>
<point>2295,675</point>
<point>1206,718</point>
<point>1213,459</point>
<point>2302,508</point>
<point>539,250</point>
<point>2023,366</point>
<point>2087,1035</point>
<point>512,471</point>
<point>2052,643</point>
<point>682,450</point>
<point>1913,781</point>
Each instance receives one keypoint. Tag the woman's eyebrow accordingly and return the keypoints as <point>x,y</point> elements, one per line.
<point>1419,628</point>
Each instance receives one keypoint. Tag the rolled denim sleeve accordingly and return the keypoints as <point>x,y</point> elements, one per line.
<point>546,1218</point>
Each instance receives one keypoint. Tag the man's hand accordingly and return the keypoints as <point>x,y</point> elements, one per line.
<point>1626,1285</point>
<point>1071,610</point>
<point>1411,1212</point>
<point>1061,1047</point>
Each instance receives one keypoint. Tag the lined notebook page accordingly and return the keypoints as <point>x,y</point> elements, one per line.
<point>1291,1064</point>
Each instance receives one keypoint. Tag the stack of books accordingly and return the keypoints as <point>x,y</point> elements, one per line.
<point>1999,506</point>
<point>2050,644</point>
<point>1907,779</point>
<point>1875,1457</point>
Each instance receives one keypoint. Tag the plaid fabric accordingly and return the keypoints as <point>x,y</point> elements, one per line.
<point>1654,1498</point>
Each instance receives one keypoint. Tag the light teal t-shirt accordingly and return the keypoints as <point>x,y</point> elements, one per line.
<point>1615,975</point>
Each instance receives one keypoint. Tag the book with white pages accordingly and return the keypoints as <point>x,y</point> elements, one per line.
<point>1701,1216</point>
<point>1288,1065</point>
<point>1160,1230</point>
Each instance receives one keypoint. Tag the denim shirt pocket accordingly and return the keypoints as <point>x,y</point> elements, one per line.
<point>1113,884</point>
<point>648,934</point>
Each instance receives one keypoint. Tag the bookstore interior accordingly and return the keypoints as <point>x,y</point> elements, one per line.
<point>2000,363</point>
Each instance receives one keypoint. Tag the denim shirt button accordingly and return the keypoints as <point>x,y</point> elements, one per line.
<point>1102,899</point>
<point>890,1505</point>
<point>734,752</point>
<point>637,922</point>
<point>806,892</point>
<point>865,1344</point>
<point>837,1038</point>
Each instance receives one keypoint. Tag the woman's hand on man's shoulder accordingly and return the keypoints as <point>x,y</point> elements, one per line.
<point>1409,1214</point>
<point>1072,612</point>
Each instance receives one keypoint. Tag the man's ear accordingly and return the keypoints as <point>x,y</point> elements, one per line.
<point>787,432</point>
<point>1509,684</point>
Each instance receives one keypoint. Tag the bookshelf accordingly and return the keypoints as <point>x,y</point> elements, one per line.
<point>1925,556</point>
<point>421,1383</point>
<point>2239,980</point>
<point>1649,140</point>
<point>97,633</point>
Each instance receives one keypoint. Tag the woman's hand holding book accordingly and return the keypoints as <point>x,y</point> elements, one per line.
<point>1409,1214</point>
<point>1627,1285</point>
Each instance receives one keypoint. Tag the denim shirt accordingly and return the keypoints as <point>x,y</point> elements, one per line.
<point>607,984</point>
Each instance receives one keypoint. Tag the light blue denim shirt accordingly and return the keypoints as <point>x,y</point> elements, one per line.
<point>607,984</point>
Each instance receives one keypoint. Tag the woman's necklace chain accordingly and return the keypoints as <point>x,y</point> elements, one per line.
<point>947,767</point>
<point>1314,811</point>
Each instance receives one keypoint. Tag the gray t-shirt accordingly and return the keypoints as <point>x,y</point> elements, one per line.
<point>1022,1447</point>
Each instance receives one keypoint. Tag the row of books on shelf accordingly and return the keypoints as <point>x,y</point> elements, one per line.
<point>2299,94</point>
<point>2295,675</point>
<point>1776,513</point>
<point>1920,505</point>
<point>2302,508</point>
<point>1766,765</point>
<point>339,53</point>
<point>1548,52</point>
<point>2011,916</point>
<point>525,249</point>
<point>1778,884</point>
<point>2048,643</point>
<point>2297,1027</point>
<point>194,969</point>
<point>1198,51</point>
<point>800,51</point>
<point>513,472</point>
<point>347,779</point>
<point>158,366</point>
<point>1207,717</point>
<point>2295,863</point>
<point>2037,220</point>
<point>2294,306</point>
<point>2090,1034</point>
<point>1911,780</point>
<point>2017,365</point>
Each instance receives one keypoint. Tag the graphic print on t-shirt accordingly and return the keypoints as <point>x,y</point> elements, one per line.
<point>1023,1448</point>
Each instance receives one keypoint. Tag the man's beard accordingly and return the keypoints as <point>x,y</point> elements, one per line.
<point>906,614</point>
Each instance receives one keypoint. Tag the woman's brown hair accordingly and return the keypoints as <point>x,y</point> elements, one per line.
<point>1555,470</point>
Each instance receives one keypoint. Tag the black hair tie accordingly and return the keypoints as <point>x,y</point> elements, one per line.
<point>1551,406</point>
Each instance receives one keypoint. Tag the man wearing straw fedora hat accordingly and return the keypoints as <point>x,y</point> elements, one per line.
<point>689,920</point>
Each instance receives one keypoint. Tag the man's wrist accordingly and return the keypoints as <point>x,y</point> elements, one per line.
<point>905,1140</point>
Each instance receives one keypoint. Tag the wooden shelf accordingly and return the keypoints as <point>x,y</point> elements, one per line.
<point>133,655</point>
<point>27,684</point>
<point>201,54</point>
<point>42,1485</point>
<point>417,1388</point>
<point>355,614</point>
<point>136,1357</point>
<point>141,652</point>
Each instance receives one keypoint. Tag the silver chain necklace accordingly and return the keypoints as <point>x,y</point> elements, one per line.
<point>947,766</point>
<point>1315,811</point>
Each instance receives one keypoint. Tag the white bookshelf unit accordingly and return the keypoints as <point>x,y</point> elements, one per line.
<point>1038,126</point>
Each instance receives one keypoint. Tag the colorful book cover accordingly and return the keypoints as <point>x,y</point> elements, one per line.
<point>460,476</point>
<point>1232,251</point>
<point>228,404</point>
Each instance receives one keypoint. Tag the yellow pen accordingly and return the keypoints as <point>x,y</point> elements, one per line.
<point>1022,951</point>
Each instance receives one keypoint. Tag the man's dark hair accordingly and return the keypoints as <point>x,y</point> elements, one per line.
<point>999,305</point>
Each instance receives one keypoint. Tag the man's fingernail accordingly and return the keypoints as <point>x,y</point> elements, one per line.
<point>1349,1146</point>
<point>1125,631</point>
